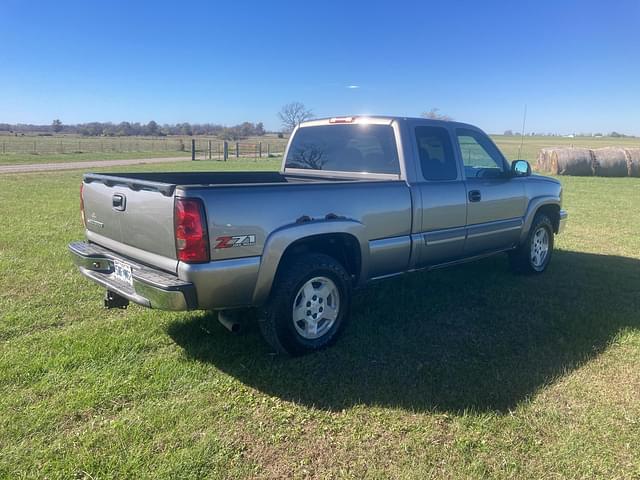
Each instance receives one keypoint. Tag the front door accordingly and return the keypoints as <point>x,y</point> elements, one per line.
<point>443,197</point>
<point>496,201</point>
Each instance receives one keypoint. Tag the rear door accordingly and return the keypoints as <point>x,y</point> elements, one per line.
<point>496,201</point>
<point>443,196</point>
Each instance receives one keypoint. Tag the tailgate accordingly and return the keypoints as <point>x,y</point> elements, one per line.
<point>132,218</point>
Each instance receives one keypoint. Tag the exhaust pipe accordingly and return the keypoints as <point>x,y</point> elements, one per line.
<point>228,321</point>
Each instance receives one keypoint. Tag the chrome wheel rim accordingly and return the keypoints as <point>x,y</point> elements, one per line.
<point>316,307</point>
<point>539,247</point>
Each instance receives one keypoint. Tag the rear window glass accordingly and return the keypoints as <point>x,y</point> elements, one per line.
<point>436,154</point>
<point>345,148</point>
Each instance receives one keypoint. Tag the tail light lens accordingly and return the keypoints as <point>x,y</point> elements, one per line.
<point>82,203</point>
<point>192,241</point>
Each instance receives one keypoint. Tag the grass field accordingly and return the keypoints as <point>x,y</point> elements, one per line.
<point>141,147</point>
<point>460,373</point>
<point>532,145</point>
<point>69,148</point>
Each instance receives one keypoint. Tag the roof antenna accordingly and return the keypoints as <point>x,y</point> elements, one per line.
<point>524,119</point>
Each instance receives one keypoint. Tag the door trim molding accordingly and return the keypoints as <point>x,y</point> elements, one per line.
<point>492,228</point>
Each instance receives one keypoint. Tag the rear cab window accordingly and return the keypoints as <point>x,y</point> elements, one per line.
<point>435,151</point>
<point>361,148</point>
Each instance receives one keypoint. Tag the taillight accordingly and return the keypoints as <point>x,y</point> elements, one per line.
<point>342,119</point>
<point>192,241</point>
<point>82,203</point>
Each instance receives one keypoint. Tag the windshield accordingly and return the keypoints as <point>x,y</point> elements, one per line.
<point>344,148</point>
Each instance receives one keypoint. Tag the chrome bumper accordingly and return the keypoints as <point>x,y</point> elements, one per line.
<point>563,220</point>
<point>150,287</point>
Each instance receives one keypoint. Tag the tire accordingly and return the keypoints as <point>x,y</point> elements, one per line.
<point>534,255</point>
<point>313,284</point>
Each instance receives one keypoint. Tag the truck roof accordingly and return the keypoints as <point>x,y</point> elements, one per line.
<point>380,119</point>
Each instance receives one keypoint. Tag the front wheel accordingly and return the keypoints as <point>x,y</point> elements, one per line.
<point>308,306</point>
<point>534,255</point>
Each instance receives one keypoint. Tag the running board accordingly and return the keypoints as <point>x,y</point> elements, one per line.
<point>444,265</point>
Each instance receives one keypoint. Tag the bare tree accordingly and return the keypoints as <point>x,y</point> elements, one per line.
<point>56,125</point>
<point>292,114</point>
<point>434,114</point>
<point>309,156</point>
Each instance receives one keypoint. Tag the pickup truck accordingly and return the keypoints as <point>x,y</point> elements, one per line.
<point>357,199</point>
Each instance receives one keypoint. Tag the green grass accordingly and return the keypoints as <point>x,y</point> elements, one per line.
<point>459,373</point>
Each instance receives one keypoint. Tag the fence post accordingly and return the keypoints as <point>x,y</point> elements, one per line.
<point>260,149</point>
<point>268,150</point>
<point>209,149</point>
<point>79,150</point>
<point>225,147</point>
<point>4,147</point>
<point>237,150</point>
<point>218,149</point>
<point>193,149</point>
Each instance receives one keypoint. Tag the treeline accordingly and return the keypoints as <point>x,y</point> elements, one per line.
<point>614,134</point>
<point>124,129</point>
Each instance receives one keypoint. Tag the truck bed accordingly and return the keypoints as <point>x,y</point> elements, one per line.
<point>166,182</point>
<point>133,213</point>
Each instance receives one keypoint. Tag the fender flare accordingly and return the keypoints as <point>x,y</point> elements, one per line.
<point>279,240</point>
<point>532,209</point>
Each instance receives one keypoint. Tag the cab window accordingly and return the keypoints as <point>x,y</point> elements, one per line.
<point>345,148</point>
<point>435,151</point>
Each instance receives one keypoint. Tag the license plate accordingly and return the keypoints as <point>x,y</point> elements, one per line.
<point>122,272</point>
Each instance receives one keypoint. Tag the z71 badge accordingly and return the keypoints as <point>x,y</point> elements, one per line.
<point>235,241</point>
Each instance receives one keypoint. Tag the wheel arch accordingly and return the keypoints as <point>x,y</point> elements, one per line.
<point>343,240</point>
<point>550,205</point>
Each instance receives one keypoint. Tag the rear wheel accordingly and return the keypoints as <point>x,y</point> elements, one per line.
<point>534,255</point>
<point>308,306</point>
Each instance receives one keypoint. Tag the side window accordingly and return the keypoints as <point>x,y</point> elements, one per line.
<point>480,156</point>
<point>436,154</point>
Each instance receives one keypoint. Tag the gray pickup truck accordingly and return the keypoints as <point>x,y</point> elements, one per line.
<point>357,199</point>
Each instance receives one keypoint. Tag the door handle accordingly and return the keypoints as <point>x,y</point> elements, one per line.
<point>475,196</point>
<point>118,202</point>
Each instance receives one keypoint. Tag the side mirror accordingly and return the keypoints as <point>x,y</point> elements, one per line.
<point>520,168</point>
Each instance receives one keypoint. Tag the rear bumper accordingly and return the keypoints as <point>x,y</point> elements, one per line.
<point>150,287</point>
<point>563,220</point>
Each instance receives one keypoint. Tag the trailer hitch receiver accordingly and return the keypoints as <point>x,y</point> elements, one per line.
<point>113,300</point>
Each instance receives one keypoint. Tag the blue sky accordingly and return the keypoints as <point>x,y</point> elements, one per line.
<point>576,64</point>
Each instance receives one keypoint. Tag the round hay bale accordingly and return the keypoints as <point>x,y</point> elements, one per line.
<point>543,162</point>
<point>633,161</point>
<point>611,162</point>
<point>572,161</point>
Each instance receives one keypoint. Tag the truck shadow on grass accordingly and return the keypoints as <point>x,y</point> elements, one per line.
<point>472,337</point>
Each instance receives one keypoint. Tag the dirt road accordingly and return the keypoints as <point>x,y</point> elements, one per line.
<point>46,167</point>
